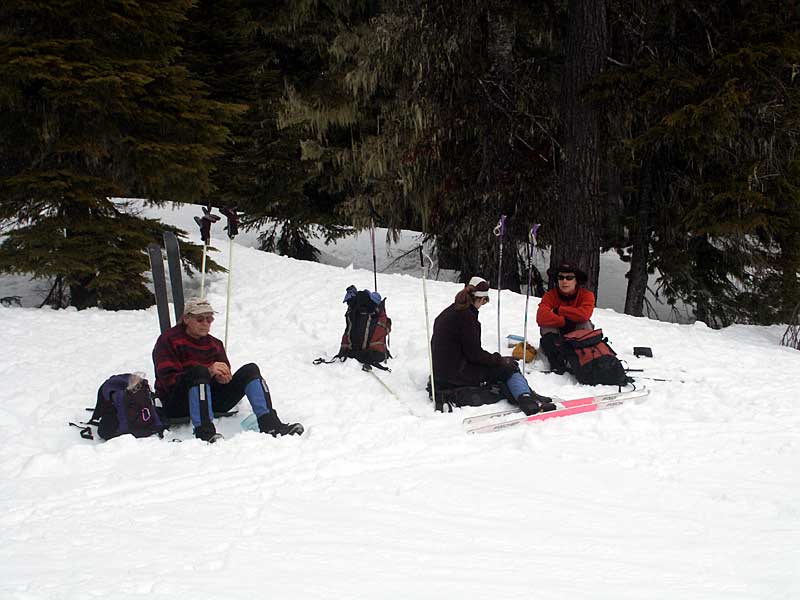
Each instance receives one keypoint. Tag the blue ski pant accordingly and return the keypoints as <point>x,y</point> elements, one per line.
<point>197,395</point>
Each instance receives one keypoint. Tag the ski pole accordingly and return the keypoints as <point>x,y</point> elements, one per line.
<point>205,223</point>
<point>499,231</point>
<point>531,245</point>
<point>427,320</point>
<point>374,261</point>
<point>233,229</point>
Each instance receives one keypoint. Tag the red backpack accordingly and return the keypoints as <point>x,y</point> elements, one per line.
<point>367,328</point>
<point>591,359</point>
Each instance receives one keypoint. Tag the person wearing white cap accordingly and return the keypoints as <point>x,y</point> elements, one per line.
<point>193,377</point>
<point>460,361</point>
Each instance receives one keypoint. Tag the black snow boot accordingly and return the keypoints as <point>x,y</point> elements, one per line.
<point>207,432</point>
<point>271,424</point>
<point>533,403</point>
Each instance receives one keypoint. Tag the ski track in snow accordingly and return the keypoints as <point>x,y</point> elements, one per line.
<point>691,494</point>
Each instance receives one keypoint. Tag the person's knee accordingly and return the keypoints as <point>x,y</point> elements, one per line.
<point>549,341</point>
<point>249,372</point>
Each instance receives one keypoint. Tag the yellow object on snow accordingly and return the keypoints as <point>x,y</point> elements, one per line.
<point>530,354</point>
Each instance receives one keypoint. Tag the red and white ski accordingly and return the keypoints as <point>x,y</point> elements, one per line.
<point>491,422</point>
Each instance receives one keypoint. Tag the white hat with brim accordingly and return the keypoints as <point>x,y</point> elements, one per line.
<point>197,306</point>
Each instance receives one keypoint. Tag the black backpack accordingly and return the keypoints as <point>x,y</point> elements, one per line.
<point>367,328</point>
<point>124,405</point>
<point>448,397</point>
<point>591,359</point>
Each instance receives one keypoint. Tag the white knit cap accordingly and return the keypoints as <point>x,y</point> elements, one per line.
<point>481,287</point>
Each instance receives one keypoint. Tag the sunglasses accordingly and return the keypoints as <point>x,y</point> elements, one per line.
<point>566,277</point>
<point>203,318</point>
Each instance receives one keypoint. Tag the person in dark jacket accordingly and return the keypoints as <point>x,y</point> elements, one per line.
<point>193,377</point>
<point>563,309</point>
<point>459,360</point>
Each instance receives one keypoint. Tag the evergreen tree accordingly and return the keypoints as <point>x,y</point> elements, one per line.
<point>437,116</point>
<point>247,52</point>
<point>94,104</point>
<point>711,144</point>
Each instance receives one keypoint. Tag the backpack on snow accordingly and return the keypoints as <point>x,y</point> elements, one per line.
<point>366,331</point>
<point>448,397</point>
<point>124,405</point>
<point>367,328</point>
<point>591,359</point>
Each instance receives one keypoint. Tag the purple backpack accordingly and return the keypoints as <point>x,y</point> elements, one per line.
<point>125,405</point>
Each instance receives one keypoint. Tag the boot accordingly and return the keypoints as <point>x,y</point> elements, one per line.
<point>528,405</point>
<point>207,432</point>
<point>533,403</point>
<point>271,424</point>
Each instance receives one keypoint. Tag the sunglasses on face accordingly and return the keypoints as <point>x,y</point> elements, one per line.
<point>203,318</point>
<point>566,277</point>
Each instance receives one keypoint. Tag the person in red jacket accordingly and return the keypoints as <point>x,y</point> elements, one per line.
<point>563,309</point>
<point>193,377</point>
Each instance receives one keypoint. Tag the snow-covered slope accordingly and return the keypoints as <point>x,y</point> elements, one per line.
<point>692,494</point>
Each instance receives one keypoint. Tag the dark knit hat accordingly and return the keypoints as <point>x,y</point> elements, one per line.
<point>568,267</point>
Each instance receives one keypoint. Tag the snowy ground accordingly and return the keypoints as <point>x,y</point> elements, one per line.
<point>692,494</point>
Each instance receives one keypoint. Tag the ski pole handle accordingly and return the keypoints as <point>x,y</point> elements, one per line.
<point>233,220</point>
<point>500,228</point>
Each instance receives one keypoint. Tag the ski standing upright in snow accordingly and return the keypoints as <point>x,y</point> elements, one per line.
<point>175,273</point>
<point>159,285</point>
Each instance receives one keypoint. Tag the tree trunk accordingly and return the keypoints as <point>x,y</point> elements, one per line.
<point>637,275</point>
<point>580,207</point>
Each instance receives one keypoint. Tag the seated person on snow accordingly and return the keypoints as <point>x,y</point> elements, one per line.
<point>563,309</point>
<point>193,377</point>
<point>459,360</point>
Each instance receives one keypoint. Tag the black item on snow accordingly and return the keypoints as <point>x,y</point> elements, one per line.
<point>448,397</point>
<point>124,405</point>
<point>159,285</point>
<point>271,424</point>
<point>642,351</point>
<point>591,360</point>
<point>175,274</point>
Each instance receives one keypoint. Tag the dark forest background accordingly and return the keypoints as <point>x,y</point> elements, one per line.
<point>666,130</point>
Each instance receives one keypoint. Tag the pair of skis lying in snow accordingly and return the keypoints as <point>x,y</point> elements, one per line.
<point>496,421</point>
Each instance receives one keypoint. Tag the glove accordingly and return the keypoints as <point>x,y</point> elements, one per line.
<point>509,361</point>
